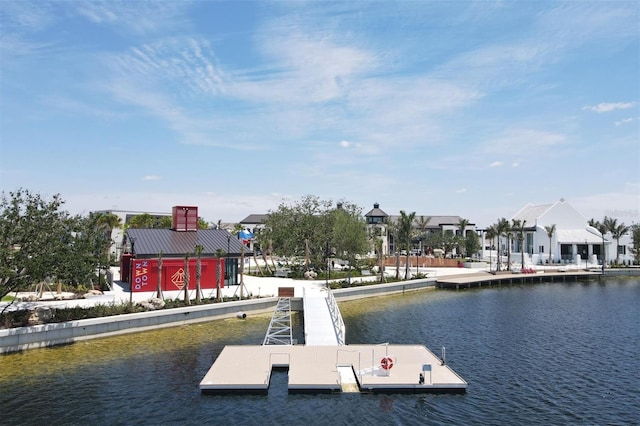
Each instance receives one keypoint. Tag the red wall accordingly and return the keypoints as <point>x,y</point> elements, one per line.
<point>144,274</point>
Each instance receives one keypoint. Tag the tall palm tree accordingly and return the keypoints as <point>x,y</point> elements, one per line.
<point>550,231</point>
<point>198,251</point>
<point>159,294</point>
<point>219,254</point>
<point>502,228</point>
<point>462,226</point>
<point>405,234</point>
<point>186,280</point>
<point>422,222</point>
<point>491,234</point>
<point>602,229</point>
<point>617,232</point>
<point>518,226</point>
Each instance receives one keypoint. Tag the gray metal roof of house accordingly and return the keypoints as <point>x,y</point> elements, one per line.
<point>254,219</point>
<point>149,242</point>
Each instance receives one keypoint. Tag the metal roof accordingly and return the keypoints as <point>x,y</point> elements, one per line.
<point>254,219</point>
<point>149,242</point>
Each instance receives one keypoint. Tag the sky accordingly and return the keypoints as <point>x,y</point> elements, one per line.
<point>465,108</point>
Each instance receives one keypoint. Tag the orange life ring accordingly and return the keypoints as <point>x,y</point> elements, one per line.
<point>386,363</point>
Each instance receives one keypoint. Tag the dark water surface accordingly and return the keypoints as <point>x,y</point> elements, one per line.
<point>532,354</point>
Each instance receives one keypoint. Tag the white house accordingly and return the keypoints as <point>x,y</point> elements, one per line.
<point>573,241</point>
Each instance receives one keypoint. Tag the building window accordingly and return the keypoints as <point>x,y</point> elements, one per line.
<point>540,249</point>
<point>622,249</point>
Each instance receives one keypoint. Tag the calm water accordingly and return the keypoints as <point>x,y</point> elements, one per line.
<point>532,354</point>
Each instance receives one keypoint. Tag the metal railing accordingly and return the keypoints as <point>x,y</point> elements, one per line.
<point>279,331</point>
<point>336,317</point>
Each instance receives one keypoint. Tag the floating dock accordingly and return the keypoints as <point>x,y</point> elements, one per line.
<point>319,369</point>
<point>325,363</point>
<point>507,277</point>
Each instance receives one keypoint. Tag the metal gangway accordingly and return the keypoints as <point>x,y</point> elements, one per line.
<point>323,324</point>
<point>279,331</point>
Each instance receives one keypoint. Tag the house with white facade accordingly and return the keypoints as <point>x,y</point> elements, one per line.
<point>573,241</point>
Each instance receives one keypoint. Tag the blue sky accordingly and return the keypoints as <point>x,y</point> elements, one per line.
<point>469,108</point>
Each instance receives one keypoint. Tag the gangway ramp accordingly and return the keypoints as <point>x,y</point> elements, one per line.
<point>323,325</point>
<point>279,331</point>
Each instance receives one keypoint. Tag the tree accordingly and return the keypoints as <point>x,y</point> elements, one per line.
<point>186,279</point>
<point>472,242</point>
<point>40,241</point>
<point>305,229</point>
<point>462,226</point>
<point>159,294</point>
<point>635,236</point>
<point>617,232</point>
<point>198,252</point>
<point>519,227</point>
<point>503,229</point>
<point>164,222</point>
<point>422,222</point>
<point>491,234</point>
<point>219,255</point>
<point>602,228</point>
<point>110,222</point>
<point>142,221</point>
<point>375,237</point>
<point>550,231</point>
<point>202,224</point>
<point>349,233</point>
<point>405,235</point>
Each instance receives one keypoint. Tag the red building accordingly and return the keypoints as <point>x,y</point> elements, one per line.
<point>141,266</point>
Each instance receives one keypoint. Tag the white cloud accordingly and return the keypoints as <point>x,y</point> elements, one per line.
<point>461,190</point>
<point>345,144</point>
<point>522,141</point>
<point>609,106</point>
<point>625,121</point>
<point>151,177</point>
<point>515,165</point>
<point>496,164</point>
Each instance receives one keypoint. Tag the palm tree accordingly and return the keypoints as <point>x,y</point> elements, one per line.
<point>198,251</point>
<point>502,228</point>
<point>550,231</point>
<point>219,254</point>
<point>518,226</point>
<point>422,223</point>
<point>109,222</point>
<point>186,280</point>
<point>617,232</point>
<point>491,234</point>
<point>462,226</point>
<point>405,234</point>
<point>159,294</point>
<point>602,229</point>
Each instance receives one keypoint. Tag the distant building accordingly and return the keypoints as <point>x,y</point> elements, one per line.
<point>573,241</point>
<point>143,249</point>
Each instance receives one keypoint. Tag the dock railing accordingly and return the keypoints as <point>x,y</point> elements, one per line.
<point>336,317</point>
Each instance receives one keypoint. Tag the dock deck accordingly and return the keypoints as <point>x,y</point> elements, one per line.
<point>488,279</point>
<point>316,369</point>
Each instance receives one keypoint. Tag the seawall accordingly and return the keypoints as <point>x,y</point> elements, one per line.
<point>39,336</point>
